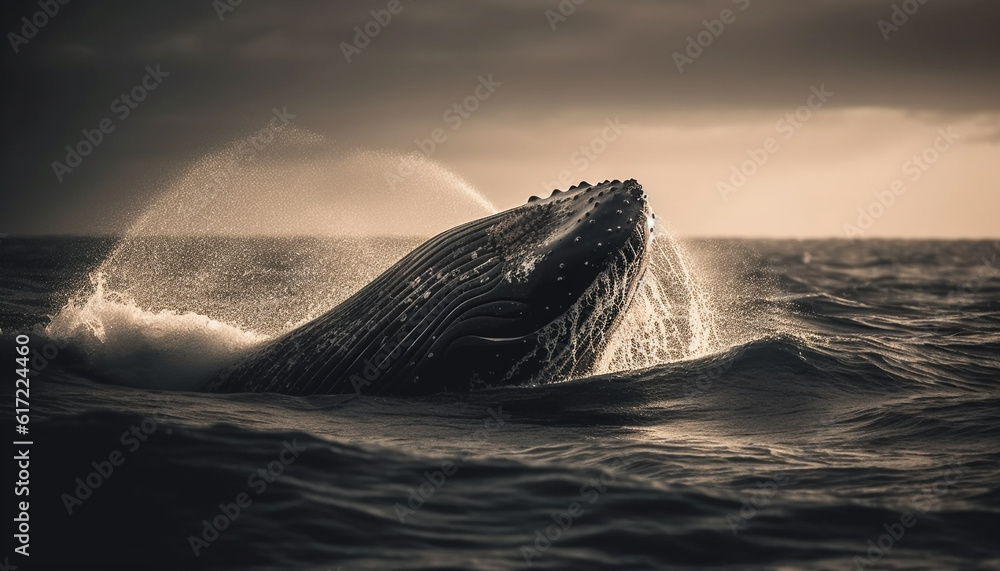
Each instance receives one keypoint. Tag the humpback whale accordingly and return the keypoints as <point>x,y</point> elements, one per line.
<point>526,296</point>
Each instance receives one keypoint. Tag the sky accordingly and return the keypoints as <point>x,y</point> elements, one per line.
<point>754,118</point>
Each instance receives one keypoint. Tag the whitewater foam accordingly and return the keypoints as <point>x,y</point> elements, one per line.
<point>158,350</point>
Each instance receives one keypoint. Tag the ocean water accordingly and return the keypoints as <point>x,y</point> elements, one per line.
<point>770,405</point>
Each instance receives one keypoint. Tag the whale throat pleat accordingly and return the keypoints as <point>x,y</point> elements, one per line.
<point>371,339</point>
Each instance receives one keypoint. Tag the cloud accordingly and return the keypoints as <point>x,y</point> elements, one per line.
<point>605,59</point>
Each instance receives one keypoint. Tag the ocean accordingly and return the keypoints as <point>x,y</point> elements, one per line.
<point>768,405</point>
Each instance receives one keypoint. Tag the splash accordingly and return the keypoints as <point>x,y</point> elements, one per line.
<point>448,176</point>
<point>249,242</point>
<point>670,318</point>
<point>147,349</point>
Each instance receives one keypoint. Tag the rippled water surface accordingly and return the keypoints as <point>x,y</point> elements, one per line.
<point>826,395</point>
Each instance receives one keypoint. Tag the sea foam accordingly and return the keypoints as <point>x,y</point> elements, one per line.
<point>136,347</point>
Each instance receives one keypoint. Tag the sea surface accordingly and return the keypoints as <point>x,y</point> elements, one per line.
<point>816,405</point>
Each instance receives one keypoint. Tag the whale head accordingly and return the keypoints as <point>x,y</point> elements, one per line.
<point>569,266</point>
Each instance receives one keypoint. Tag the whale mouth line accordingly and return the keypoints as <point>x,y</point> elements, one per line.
<point>525,296</point>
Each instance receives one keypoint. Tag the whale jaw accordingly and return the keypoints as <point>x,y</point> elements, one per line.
<point>575,260</point>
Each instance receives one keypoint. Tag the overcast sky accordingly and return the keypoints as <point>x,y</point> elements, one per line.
<point>887,91</point>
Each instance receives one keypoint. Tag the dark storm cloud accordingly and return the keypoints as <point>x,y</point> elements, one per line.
<point>226,76</point>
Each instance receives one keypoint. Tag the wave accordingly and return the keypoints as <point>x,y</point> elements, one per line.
<point>129,345</point>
